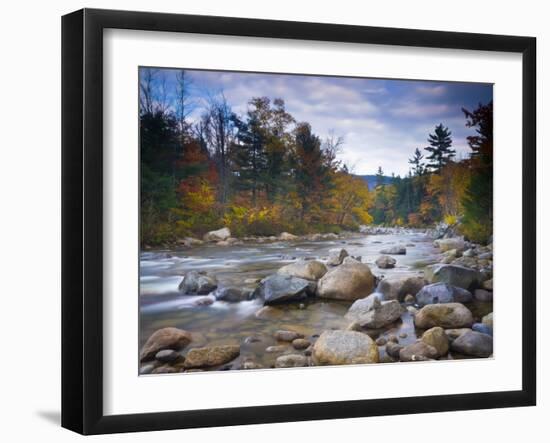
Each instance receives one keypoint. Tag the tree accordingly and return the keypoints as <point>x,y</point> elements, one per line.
<point>380,179</point>
<point>310,171</point>
<point>416,162</point>
<point>440,148</point>
<point>478,199</point>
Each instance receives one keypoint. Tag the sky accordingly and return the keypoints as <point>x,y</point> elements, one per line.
<point>382,121</point>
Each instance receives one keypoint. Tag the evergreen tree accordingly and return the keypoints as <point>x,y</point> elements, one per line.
<point>380,179</point>
<point>416,162</point>
<point>440,148</point>
<point>478,200</point>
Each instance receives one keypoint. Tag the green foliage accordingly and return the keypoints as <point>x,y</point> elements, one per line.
<point>440,152</point>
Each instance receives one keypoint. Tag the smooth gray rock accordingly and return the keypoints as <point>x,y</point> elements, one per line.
<point>454,275</point>
<point>232,294</point>
<point>473,343</point>
<point>378,315</point>
<point>336,256</point>
<point>195,283</point>
<point>282,288</point>
<point>291,361</point>
<point>442,293</point>
<point>394,250</point>
<point>385,262</point>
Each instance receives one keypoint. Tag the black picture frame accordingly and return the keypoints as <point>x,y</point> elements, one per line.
<point>82,217</point>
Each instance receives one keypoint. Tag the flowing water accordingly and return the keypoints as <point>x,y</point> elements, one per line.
<point>161,305</point>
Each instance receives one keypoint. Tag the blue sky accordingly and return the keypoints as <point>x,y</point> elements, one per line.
<point>382,121</point>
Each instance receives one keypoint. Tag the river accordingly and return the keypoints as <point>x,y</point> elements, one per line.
<point>161,305</point>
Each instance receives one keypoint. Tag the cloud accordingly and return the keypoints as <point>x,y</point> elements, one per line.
<point>381,121</point>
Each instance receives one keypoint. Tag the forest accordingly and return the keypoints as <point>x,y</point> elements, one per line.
<point>263,172</point>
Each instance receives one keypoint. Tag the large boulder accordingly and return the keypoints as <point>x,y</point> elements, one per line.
<point>460,276</point>
<point>344,348</point>
<point>473,343</point>
<point>196,283</point>
<point>336,256</point>
<point>446,244</point>
<point>418,351</point>
<point>442,293</point>
<point>396,288</point>
<point>232,294</point>
<point>165,338</point>
<point>446,315</point>
<point>362,306</point>
<point>437,338</point>
<point>348,281</point>
<point>307,269</point>
<point>394,250</point>
<point>378,315</point>
<point>385,262</point>
<point>211,356</point>
<point>279,288</point>
<point>219,235</point>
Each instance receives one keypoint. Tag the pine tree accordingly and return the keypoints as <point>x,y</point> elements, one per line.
<point>440,148</point>
<point>380,179</point>
<point>416,162</point>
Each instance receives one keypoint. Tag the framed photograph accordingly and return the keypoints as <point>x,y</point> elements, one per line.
<point>269,221</point>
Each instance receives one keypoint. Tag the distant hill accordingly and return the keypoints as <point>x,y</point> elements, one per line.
<point>372,179</point>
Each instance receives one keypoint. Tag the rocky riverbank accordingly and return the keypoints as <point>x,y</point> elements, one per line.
<point>345,309</point>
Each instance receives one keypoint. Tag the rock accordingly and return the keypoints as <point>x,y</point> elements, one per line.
<point>363,305</point>
<point>291,361</point>
<point>164,369</point>
<point>232,294</point>
<point>410,299</point>
<point>190,241</point>
<point>250,364</point>
<point>469,253</point>
<point>167,356</point>
<point>385,262</point>
<point>147,369</point>
<point>301,343</point>
<point>252,339</point>
<point>252,281</point>
<point>309,270</point>
<point>381,341</point>
<point>454,275</point>
<point>394,250</point>
<point>287,335</point>
<point>483,295</point>
<point>403,335</point>
<point>446,244</point>
<point>418,351</point>
<point>343,348</point>
<point>378,314</point>
<point>446,315</point>
<point>348,281</point>
<point>473,343</point>
<point>211,356</point>
<point>487,284</point>
<point>484,329</point>
<point>442,293</point>
<point>336,256</point>
<point>396,288</point>
<point>354,326</point>
<point>195,283</point>
<point>165,338</point>
<point>393,349</point>
<point>276,349</point>
<point>453,334</point>
<point>437,338</point>
<point>286,236</point>
<point>485,256</point>
<point>488,320</point>
<point>269,313</point>
<point>393,338</point>
<point>281,288</point>
<point>204,301</point>
<point>219,235</point>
